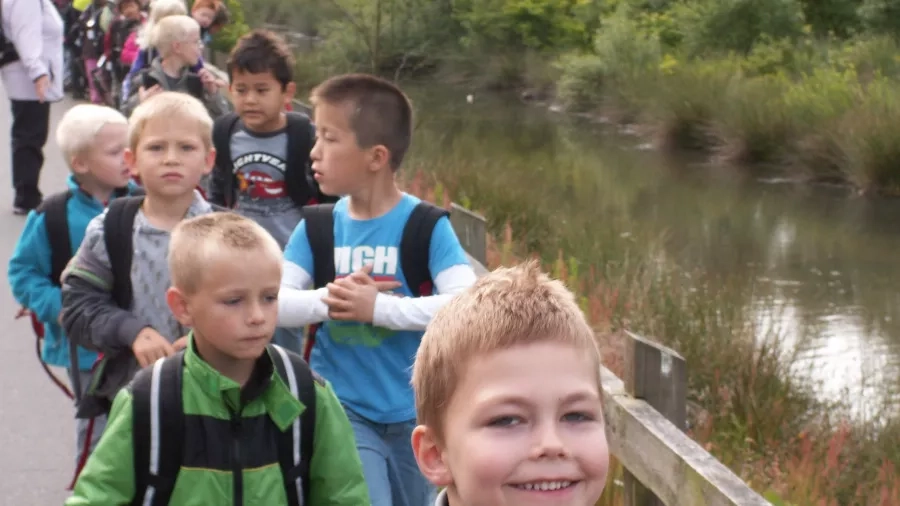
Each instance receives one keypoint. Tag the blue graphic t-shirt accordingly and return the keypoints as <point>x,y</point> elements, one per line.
<point>370,367</point>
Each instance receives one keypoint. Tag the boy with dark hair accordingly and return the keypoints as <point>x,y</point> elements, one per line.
<point>238,421</point>
<point>262,152</point>
<point>375,239</point>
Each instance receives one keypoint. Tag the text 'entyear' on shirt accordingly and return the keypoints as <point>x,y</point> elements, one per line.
<point>259,164</point>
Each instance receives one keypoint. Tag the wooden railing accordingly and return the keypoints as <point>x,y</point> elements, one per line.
<point>645,415</point>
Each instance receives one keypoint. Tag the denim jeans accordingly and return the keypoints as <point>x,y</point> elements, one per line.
<point>390,469</point>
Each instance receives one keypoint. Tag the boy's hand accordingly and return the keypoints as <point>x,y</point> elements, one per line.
<point>353,298</point>
<point>180,344</point>
<point>150,346</point>
<point>210,81</point>
<point>144,94</point>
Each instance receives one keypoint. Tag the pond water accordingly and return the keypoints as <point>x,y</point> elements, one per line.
<point>815,265</point>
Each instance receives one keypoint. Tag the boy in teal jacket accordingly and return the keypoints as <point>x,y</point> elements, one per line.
<point>240,410</point>
<point>92,139</point>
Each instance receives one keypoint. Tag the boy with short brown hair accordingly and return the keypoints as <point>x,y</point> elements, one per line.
<point>508,396</point>
<point>341,260</point>
<point>238,419</point>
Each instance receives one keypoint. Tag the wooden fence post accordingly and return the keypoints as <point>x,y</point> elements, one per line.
<point>471,229</point>
<point>657,375</point>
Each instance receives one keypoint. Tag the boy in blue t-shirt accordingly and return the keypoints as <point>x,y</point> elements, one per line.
<point>372,320</point>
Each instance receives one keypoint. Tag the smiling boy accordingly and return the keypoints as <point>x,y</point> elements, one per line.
<point>508,397</point>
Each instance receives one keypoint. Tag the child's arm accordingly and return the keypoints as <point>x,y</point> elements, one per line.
<point>453,275</point>
<point>138,64</point>
<point>335,471</point>
<point>108,476</point>
<point>29,271</point>
<point>90,315</point>
<point>299,306</point>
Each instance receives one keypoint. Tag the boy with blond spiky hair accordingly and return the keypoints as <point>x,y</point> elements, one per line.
<point>508,396</point>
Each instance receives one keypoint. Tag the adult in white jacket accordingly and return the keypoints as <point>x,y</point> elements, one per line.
<point>32,82</point>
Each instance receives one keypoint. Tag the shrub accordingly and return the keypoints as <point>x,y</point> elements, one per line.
<point>236,27</point>
<point>711,26</point>
<point>881,16</point>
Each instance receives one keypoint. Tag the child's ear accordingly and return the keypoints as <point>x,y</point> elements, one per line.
<point>210,160</point>
<point>178,304</point>
<point>290,90</point>
<point>130,161</point>
<point>381,157</point>
<point>430,457</point>
<point>78,165</point>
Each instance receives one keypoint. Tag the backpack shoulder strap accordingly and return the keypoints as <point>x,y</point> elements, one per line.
<point>320,234</point>
<point>56,222</point>
<point>118,231</point>
<point>223,128</point>
<point>296,446</point>
<point>158,430</point>
<point>415,246</point>
<point>300,184</point>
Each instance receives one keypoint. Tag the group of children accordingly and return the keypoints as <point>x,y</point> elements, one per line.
<point>163,306</point>
<point>113,44</point>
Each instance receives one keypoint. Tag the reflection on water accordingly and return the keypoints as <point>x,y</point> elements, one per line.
<point>821,263</point>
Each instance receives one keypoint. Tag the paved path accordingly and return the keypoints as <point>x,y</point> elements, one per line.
<point>36,420</point>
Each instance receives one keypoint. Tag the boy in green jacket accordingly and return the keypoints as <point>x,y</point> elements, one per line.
<point>224,421</point>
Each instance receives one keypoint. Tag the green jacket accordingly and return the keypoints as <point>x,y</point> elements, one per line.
<point>336,471</point>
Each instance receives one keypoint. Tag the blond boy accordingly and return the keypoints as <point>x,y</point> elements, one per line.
<point>180,46</point>
<point>226,274</point>
<point>92,139</point>
<point>508,396</point>
<point>114,293</point>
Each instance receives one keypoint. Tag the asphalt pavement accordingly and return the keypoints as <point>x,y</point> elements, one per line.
<point>37,431</point>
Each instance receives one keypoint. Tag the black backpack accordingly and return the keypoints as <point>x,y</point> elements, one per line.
<point>56,223</point>
<point>301,186</point>
<point>295,445</point>
<point>118,233</point>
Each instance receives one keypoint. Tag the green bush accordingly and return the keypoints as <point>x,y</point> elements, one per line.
<point>237,27</point>
<point>715,26</point>
<point>832,17</point>
<point>580,86</point>
<point>869,139</point>
<point>527,24</point>
<point>881,16</point>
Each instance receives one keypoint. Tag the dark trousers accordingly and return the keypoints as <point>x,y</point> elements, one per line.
<point>30,125</point>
